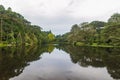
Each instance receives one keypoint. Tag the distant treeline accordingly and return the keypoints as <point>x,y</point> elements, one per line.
<point>16,30</point>
<point>95,33</point>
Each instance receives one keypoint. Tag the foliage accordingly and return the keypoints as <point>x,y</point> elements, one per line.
<point>96,32</point>
<point>115,18</point>
<point>16,30</point>
<point>51,36</point>
<point>111,35</point>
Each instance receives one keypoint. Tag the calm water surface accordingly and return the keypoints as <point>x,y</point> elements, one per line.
<point>59,63</point>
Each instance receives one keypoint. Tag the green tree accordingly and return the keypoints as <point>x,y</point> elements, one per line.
<point>115,18</point>
<point>16,30</point>
<point>51,37</point>
<point>2,9</point>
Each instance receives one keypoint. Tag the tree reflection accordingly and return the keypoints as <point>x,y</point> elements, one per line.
<point>96,57</point>
<point>13,60</point>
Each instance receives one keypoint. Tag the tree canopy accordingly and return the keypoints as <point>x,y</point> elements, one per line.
<point>17,30</point>
<point>95,32</point>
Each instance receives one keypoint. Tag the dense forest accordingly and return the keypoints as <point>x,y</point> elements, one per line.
<point>16,30</point>
<point>95,33</point>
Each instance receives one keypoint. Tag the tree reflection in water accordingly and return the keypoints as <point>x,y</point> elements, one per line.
<point>13,60</point>
<point>96,57</point>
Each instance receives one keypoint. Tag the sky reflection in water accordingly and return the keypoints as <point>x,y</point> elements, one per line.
<point>59,66</point>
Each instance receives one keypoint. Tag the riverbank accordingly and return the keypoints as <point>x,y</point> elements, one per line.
<point>12,45</point>
<point>4,45</point>
<point>94,45</point>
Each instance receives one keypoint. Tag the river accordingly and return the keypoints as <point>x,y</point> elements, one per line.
<point>65,62</point>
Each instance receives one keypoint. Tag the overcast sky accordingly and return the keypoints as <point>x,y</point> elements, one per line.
<point>59,15</point>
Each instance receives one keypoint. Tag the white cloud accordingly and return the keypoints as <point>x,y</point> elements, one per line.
<point>94,8</point>
<point>63,12</point>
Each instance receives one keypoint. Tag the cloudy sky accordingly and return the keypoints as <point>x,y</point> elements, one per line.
<point>60,15</point>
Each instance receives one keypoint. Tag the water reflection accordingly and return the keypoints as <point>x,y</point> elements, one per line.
<point>13,60</point>
<point>61,64</point>
<point>96,57</point>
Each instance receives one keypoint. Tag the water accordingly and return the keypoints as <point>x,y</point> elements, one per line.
<point>59,63</point>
